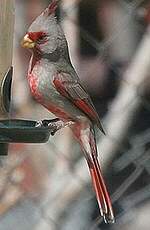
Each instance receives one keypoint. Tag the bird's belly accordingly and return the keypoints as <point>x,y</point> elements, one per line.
<point>46,94</point>
<point>33,84</point>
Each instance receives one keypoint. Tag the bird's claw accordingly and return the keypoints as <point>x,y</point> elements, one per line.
<point>50,123</point>
<point>55,124</point>
<point>39,124</point>
<point>47,123</point>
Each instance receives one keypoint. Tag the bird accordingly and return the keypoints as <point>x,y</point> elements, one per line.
<point>54,84</point>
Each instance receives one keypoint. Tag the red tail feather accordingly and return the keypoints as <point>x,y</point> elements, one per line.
<point>101,191</point>
<point>86,137</point>
<point>98,190</point>
<point>99,184</point>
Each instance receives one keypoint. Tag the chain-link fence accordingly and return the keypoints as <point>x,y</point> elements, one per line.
<point>48,186</point>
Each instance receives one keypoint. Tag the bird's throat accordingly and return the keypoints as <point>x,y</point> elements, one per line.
<point>34,60</point>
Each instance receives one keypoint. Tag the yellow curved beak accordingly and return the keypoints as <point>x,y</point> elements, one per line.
<point>27,42</point>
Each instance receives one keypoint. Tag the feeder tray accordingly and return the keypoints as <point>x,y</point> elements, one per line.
<point>23,131</point>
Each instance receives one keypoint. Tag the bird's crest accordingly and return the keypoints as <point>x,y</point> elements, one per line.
<point>51,8</point>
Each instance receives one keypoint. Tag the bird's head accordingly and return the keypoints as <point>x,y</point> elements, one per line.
<point>44,35</point>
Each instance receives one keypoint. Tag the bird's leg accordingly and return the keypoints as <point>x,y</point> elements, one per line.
<point>55,124</point>
<point>59,124</point>
<point>47,123</point>
<point>50,123</point>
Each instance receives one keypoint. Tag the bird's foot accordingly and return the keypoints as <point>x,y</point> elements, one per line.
<point>59,124</point>
<point>47,123</point>
<point>50,123</point>
<point>39,124</point>
<point>54,124</point>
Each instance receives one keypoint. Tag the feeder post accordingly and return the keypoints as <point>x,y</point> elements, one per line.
<point>6,50</point>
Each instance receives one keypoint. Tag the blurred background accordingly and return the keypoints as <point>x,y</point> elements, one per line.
<point>47,186</point>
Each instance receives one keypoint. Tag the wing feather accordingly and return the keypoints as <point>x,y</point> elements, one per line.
<point>74,91</point>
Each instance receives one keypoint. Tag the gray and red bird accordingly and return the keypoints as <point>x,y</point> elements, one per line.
<point>54,83</point>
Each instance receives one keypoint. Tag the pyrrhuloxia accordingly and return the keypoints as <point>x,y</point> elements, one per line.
<point>55,84</point>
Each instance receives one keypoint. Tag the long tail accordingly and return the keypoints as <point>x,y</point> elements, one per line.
<point>101,191</point>
<point>88,142</point>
